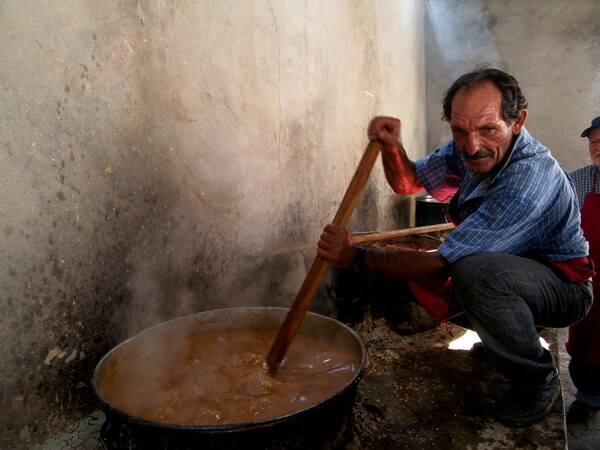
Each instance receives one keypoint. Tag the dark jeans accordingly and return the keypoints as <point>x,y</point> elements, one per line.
<point>586,378</point>
<point>505,298</point>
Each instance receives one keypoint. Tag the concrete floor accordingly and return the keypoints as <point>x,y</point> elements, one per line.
<point>425,391</point>
<point>442,397</point>
<point>585,436</point>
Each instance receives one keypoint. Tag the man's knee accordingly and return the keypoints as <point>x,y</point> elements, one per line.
<point>466,271</point>
<point>474,276</point>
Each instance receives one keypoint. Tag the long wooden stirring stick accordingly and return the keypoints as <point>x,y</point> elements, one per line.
<point>315,275</point>
<point>369,237</point>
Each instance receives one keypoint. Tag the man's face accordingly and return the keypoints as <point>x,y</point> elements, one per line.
<point>594,146</point>
<point>479,129</point>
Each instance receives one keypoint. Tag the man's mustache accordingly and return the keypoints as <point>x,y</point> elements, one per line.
<point>478,155</point>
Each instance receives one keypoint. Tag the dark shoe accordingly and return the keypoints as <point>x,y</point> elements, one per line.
<point>580,412</point>
<point>524,406</point>
<point>478,351</point>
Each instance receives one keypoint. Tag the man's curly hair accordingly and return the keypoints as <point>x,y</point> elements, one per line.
<point>513,100</point>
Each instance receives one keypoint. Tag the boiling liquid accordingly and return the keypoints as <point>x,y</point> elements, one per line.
<point>218,377</point>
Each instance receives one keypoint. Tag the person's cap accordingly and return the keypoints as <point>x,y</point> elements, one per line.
<point>595,124</point>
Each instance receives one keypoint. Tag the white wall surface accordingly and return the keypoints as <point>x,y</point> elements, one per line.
<point>152,152</point>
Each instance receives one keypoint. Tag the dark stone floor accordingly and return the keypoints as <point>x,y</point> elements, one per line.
<point>581,436</point>
<point>420,394</point>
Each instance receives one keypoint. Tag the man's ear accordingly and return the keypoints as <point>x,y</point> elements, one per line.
<point>519,122</point>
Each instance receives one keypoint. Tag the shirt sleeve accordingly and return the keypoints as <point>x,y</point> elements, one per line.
<point>440,173</point>
<point>582,180</point>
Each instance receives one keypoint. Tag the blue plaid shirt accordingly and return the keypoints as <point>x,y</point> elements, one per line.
<point>583,178</point>
<point>527,208</point>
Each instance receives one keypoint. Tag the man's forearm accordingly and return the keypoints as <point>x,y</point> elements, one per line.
<point>400,172</point>
<point>405,264</point>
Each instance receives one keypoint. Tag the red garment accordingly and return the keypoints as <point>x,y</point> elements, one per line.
<point>434,297</point>
<point>584,336</point>
<point>576,270</point>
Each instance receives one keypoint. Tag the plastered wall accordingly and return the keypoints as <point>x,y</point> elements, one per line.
<point>151,153</point>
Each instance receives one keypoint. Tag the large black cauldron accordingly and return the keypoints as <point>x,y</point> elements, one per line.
<point>321,426</point>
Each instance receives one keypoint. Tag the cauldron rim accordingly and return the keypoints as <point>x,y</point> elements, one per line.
<point>230,427</point>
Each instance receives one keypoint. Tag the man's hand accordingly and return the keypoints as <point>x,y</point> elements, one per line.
<point>336,246</point>
<point>387,131</point>
<point>399,169</point>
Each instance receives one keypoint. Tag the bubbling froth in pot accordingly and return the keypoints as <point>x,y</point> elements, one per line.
<point>219,377</point>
